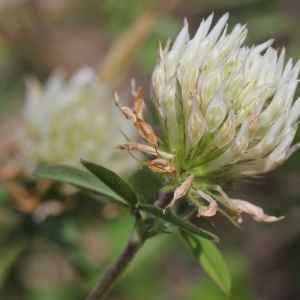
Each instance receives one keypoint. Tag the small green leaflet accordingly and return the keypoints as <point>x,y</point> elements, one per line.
<point>178,222</point>
<point>78,178</point>
<point>211,259</point>
<point>113,181</point>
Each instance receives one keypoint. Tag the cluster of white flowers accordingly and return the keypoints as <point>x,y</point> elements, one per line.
<point>67,120</point>
<point>243,96</point>
<point>226,111</point>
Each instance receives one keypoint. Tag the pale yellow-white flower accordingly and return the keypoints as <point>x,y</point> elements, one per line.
<point>226,111</point>
<point>66,120</point>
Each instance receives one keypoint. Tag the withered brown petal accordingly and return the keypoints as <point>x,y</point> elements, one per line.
<point>159,165</point>
<point>139,147</point>
<point>256,212</point>
<point>209,211</point>
<point>139,103</point>
<point>182,190</point>
<point>146,132</point>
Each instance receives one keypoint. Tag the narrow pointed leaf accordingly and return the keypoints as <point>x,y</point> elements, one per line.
<point>78,178</point>
<point>173,219</point>
<point>211,259</point>
<point>113,181</point>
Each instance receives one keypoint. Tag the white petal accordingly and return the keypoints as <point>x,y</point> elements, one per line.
<point>203,28</point>
<point>196,126</point>
<point>216,111</point>
<point>262,47</point>
<point>181,39</point>
<point>294,113</point>
<point>217,29</point>
<point>227,132</point>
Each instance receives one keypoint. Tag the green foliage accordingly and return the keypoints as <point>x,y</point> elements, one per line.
<point>174,220</point>
<point>8,255</point>
<point>211,259</point>
<point>78,178</point>
<point>57,293</point>
<point>107,183</point>
<point>146,183</point>
<point>240,285</point>
<point>164,28</point>
<point>10,90</point>
<point>3,195</point>
<point>118,15</point>
<point>111,17</point>
<point>113,181</point>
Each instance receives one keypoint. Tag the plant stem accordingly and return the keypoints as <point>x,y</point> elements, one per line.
<point>134,244</point>
<point>115,271</point>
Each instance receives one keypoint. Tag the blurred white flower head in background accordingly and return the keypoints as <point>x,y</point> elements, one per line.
<point>226,111</point>
<point>66,120</point>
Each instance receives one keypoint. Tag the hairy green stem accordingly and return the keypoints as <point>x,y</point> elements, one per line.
<point>115,271</point>
<point>134,244</point>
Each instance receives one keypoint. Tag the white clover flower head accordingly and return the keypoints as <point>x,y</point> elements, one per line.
<point>226,111</point>
<point>67,120</point>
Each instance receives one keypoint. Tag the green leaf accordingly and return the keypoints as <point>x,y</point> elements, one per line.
<point>211,259</point>
<point>113,181</point>
<point>78,178</point>
<point>178,222</point>
<point>8,256</point>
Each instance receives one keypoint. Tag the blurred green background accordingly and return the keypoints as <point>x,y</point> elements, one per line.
<point>62,256</point>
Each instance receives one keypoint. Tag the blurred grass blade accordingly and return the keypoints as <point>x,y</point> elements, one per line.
<point>78,178</point>
<point>113,181</point>
<point>8,256</point>
<point>173,219</point>
<point>211,259</point>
